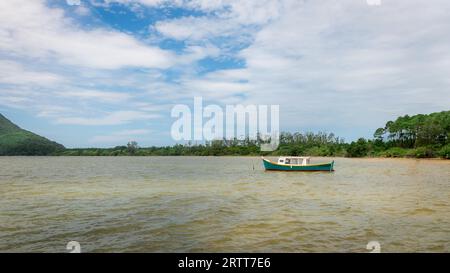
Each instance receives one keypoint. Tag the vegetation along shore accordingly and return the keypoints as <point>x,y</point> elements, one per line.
<point>418,136</point>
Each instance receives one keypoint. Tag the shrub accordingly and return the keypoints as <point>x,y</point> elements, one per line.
<point>444,152</point>
<point>424,152</point>
<point>395,152</point>
<point>359,148</point>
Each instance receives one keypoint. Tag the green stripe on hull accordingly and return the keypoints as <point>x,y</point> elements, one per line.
<point>321,167</point>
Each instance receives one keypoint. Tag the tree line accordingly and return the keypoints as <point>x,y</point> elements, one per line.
<point>418,136</point>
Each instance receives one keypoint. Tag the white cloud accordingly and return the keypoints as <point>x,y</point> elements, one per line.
<point>15,73</point>
<point>114,118</point>
<point>31,29</point>
<point>243,12</point>
<point>214,88</point>
<point>50,111</point>
<point>73,2</point>
<point>233,19</point>
<point>17,102</point>
<point>329,65</point>
<point>347,64</point>
<point>120,137</point>
<point>82,11</point>
<point>150,3</point>
<point>195,28</point>
<point>95,95</point>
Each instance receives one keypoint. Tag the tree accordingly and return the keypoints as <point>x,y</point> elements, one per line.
<point>132,147</point>
<point>379,133</point>
<point>358,148</point>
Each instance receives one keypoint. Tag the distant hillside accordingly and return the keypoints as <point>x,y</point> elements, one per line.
<point>16,141</point>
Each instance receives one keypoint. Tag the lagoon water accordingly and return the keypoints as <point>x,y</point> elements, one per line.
<point>221,204</point>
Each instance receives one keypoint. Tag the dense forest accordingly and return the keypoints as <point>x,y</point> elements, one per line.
<point>419,136</point>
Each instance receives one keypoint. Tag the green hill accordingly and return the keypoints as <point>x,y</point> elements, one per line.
<point>16,141</point>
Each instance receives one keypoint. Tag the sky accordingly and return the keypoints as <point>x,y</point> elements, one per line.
<point>99,73</point>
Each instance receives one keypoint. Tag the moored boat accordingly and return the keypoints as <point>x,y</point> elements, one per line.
<point>296,164</point>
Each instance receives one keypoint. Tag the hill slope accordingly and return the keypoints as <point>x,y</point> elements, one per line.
<point>16,141</point>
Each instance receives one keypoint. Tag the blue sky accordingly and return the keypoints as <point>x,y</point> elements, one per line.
<point>94,73</point>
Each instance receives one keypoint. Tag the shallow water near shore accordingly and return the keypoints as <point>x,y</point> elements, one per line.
<point>221,204</point>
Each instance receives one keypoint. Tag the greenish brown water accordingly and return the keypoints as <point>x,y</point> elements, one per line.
<point>221,204</point>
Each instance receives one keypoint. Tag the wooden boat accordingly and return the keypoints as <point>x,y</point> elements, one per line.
<point>301,164</point>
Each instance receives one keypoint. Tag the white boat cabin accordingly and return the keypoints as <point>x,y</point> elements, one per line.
<point>294,160</point>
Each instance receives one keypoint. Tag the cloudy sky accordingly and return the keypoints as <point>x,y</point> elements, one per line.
<point>102,72</point>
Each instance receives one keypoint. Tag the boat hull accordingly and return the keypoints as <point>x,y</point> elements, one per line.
<point>272,166</point>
